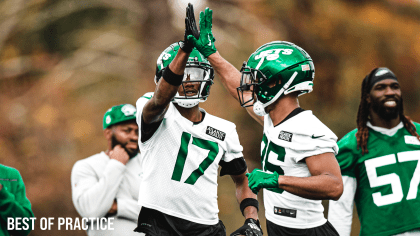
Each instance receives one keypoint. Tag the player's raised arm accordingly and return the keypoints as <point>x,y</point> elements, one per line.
<point>172,75</point>
<point>166,88</point>
<point>229,75</point>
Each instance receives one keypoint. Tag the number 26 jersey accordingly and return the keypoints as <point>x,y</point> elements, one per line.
<point>283,150</point>
<point>181,162</point>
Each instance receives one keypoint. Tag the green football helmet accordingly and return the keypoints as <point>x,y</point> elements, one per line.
<point>273,70</point>
<point>198,70</point>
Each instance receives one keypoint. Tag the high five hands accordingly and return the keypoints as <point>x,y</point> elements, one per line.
<point>202,40</point>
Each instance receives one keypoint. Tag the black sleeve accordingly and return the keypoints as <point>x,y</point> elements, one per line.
<point>235,167</point>
<point>147,130</point>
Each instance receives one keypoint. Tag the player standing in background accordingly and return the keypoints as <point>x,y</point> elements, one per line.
<point>13,201</point>
<point>297,151</point>
<point>107,184</point>
<point>182,147</point>
<point>380,164</point>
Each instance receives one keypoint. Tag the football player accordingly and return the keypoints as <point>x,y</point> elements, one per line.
<point>182,147</point>
<point>380,164</point>
<point>299,167</point>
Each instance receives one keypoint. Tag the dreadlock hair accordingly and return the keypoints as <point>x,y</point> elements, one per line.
<point>362,134</point>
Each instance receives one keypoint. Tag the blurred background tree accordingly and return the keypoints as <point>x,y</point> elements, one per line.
<point>63,63</point>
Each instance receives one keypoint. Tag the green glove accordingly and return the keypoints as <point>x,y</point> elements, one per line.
<point>205,43</point>
<point>258,179</point>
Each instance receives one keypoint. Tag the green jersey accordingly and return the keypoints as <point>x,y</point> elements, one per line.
<point>384,182</point>
<point>13,202</point>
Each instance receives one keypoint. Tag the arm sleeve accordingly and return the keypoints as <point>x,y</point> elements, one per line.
<point>128,208</point>
<point>15,204</point>
<point>93,197</point>
<point>340,213</point>
<point>127,205</point>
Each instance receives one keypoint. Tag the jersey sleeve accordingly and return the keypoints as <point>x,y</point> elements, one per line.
<point>308,137</point>
<point>314,147</point>
<point>232,162</point>
<point>340,213</point>
<point>127,205</point>
<point>346,156</point>
<point>141,102</point>
<point>233,147</point>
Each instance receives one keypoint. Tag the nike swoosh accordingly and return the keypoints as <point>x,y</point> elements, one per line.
<point>147,97</point>
<point>315,137</point>
<point>209,40</point>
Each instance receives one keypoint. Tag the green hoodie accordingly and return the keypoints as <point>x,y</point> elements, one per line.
<point>13,200</point>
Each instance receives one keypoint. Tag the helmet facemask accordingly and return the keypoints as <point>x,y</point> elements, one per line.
<point>198,73</point>
<point>263,91</point>
<point>250,80</point>
<point>195,87</point>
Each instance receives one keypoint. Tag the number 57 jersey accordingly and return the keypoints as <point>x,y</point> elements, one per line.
<point>384,183</point>
<point>181,161</point>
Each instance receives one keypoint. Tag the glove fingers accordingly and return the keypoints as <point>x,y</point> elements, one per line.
<point>205,17</point>
<point>251,181</point>
<point>202,21</point>
<point>255,190</point>
<point>209,19</point>
<point>249,232</point>
<point>193,26</point>
<point>192,39</point>
<point>187,25</point>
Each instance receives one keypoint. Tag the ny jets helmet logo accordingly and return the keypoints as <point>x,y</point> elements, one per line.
<point>271,54</point>
<point>128,110</point>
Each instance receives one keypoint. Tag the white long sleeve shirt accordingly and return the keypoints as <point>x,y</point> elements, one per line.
<point>96,181</point>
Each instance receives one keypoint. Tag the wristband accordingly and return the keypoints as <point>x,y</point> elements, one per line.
<point>171,77</point>
<point>248,202</point>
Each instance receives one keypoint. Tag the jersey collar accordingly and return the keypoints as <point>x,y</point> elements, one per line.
<point>385,131</point>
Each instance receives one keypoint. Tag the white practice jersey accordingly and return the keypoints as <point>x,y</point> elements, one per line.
<point>180,164</point>
<point>283,149</point>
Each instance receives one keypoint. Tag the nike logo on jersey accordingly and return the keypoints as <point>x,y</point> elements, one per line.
<point>147,97</point>
<point>216,133</point>
<point>286,136</point>
<point>315,137</point>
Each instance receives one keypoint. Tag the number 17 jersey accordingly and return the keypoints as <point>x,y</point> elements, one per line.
<point>181,162</point>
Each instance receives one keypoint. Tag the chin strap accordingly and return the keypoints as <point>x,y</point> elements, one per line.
<point>187,103</point>
<point>259,109</point>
